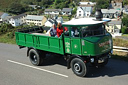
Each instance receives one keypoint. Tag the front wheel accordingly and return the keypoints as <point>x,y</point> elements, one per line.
<point>104,63</point>
<point>78,67</point>
<point>35,57</point>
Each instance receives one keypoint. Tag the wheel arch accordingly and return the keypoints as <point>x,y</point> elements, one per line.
<point>71,57</point>
<point>29,48</point>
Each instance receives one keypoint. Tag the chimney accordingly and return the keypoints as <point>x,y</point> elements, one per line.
<point>98,15</point>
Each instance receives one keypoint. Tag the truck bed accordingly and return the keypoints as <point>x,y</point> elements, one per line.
<point>40,41</point>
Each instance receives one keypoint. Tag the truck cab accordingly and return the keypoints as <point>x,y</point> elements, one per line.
<point>87,39</point>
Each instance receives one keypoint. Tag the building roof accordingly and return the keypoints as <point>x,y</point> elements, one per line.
<point>110,11</point>
<point>18,16</point>
<point>66,9</point>
<point>85,8</point>
<point>1,13</point>
<point>4,15</point>
<point>87,3</point>
<point>34,17</point>
<point>118,0</point>
<point>47,10</point>
<point>6,18</point>
<point>33,6</point>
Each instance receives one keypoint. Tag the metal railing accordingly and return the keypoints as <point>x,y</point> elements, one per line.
<point>120,49</point>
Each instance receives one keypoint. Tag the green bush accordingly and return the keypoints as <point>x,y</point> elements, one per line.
<point>5,28</point>
<point>124,30</point>
<point>11,34</point>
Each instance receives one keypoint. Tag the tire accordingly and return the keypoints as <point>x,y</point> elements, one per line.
<point>100,64</point>
<point>35,57</point>
<point>104,63</point>
<point>78,67</point>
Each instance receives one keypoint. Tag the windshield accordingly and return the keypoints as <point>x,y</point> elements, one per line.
<point>93,30</point>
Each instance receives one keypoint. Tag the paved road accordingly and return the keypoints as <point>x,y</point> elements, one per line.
<point>16,69</point>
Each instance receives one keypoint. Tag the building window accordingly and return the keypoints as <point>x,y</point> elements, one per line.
<point>79,11</point>
<point>39,23</point>
<point>79,14</point>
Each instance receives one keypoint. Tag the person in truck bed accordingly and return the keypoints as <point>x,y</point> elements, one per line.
<point>52,31</point>
<point>60,29</point>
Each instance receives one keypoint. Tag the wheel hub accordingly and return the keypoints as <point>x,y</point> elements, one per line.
<point>35,58</point>
<point>77,67</point>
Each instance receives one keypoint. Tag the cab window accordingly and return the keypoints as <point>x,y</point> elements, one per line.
<point>74,32</point>
<point>93,30</point>
<point>66,31</point>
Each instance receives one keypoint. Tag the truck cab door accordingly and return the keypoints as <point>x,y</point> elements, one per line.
<point>72,42</point>
<point>67,42</point>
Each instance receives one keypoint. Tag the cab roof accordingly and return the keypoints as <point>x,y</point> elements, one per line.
<point>85,22</point>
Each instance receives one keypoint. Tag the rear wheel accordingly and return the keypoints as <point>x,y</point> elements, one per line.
<point>78,67</point>
<point>35,57</point>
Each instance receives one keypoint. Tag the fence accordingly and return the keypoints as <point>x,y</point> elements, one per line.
<point>120,49</point>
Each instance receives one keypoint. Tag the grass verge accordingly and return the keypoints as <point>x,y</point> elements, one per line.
<point>126,35</point>
<point>5,39</point>
<point>120,56</point>
<point>120,42</point>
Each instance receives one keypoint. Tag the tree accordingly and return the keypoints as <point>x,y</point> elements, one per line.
<point>27,2</point>
<point>124,30</point>
<point>74,11</point>
<point>125,2</point>
<point>16,8</point>
<point>102,4</point>
<point>125,24</point>
<point>125,20</point>
<point>5,28</point>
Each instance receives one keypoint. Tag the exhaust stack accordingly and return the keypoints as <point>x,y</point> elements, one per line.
<point>98,15</point>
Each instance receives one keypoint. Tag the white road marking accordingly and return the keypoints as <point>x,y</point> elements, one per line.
<point>37,68</point>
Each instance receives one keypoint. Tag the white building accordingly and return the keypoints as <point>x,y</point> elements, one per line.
<point>110,13</point>
<point>52,11</point>
<point>114,27</point>
<point>67,11</point>
<point>49,23</point>
<point>87,3</point>
<point>17,20</point>
<point>55,20</point>
<point>84,11</point>
<point>36,20</point>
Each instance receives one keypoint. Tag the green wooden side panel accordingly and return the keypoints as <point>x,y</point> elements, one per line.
<point>21,39</point>
<point>29,40</point>
<point>76,46</point>
<point>46,43</point>
<point>43,42</point>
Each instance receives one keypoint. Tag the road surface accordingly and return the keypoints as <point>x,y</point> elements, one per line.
<point>16,69</point>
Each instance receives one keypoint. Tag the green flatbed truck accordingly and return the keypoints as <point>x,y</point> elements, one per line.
<point>91,44</point>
